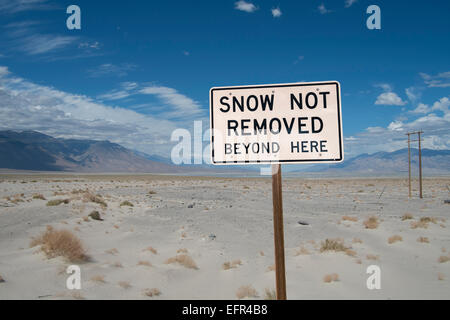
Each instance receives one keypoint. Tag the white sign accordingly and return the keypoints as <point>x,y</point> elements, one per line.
<point>279,123</point>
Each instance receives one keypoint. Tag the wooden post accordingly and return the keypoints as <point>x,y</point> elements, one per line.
<point>420,167</point>
<point>280,272</point>
<point>409,164</point>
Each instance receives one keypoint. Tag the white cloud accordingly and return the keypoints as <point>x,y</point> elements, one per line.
<point>245,6</point>
<point>109,69</point>
<point>89,45</point>
<point>395,126</point>
<point>390,99</point>
<point>385,86</point>
<point>14,6</point>
<point>441,80</point>
<point>3,71</point>
<point>421,108</point>
<point>348,3</point>
<point>412,93</point>
<point>441,105</point>
<point>276,12</point>
<point>436,132</point>
<point>27,106</point>
<point>322,9</point>
<point>183,105</point>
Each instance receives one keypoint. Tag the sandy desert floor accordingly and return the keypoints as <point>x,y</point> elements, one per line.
<point>225,226</point>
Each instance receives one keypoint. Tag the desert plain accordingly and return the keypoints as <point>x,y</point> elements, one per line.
<point>177,237</point>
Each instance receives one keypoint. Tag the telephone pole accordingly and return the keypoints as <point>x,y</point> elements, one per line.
<point>420,161</point>
<point>409,163</point>
<point>420,166</point>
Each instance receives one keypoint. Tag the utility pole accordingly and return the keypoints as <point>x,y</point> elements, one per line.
<point>420,166</point>
<point>409,163</point>
<point>420,161</point>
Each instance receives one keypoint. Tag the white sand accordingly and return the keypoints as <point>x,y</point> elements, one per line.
<point>239,213</point>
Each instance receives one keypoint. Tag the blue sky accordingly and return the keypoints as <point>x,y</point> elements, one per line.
<point>139,69</point>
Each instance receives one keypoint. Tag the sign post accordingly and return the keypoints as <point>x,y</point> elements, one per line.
<point>278,232</point>
<point>273,124</point>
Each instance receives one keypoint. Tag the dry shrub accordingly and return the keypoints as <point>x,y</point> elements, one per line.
<point>77,296</point>
<point>184,260</point>
<point>270,294</point>
<point>117,264</point>
<point>124,284</point>
<point>423,240</point>
<point>333,245</point>
<point>331,278</point>
<point>394,239</point>
<point>357,240</point>
<point>372,257</point>
<point>441,276</point>
<point>98,278</point>
<point>89,197</point>
<point>152,292</point>
<point>348,218</point>
<point>182,250</point>
<point>371,223</point>
<point>270,268</point>
<point>57,202</point>
<point>350,252</point>
<point>39,196</point>
<point>428,220</point>
<point>60,243</point>
<point>231,265</point>
<point>261,253</point>
<point>301,251</point>
<point>151,249</point>
<point>443,259</point>
<point>126,203</point>
<point>144,263</point>
<point>358,261</point>
<point>112,251</point>
<point>152,192</point>
<point>419,224</point>
<point>246,292</point>
<point>407,216</point>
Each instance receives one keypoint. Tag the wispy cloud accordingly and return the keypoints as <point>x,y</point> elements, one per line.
<point>14,6</point>
<point>322,9</point>
<point>183,105</point>
<point>245,6</point>
<point>109,69</point>
<point>349,3</point>
<point>276,12</point>
<point>441,80</point>
<point>299,58</point>
<point>44,43</point>
<point>25,38</point>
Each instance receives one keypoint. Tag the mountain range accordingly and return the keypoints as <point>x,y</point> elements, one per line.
<point>434,162</point>
<point>31,150</point>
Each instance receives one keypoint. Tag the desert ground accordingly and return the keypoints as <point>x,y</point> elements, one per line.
<point>169,237</point>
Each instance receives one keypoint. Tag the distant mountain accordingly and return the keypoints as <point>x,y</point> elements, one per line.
<point>434,162</point>
<point>31,150</point>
